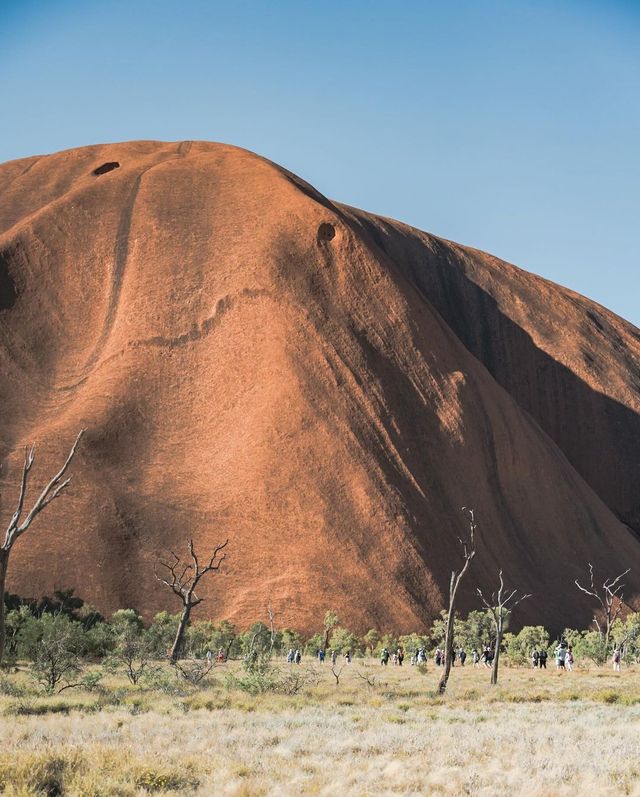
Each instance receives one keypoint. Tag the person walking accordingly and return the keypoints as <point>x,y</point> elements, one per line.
<point>321,655</point>
<point>535,657</point>
<point>334,656</point>
<point>561,654</point>
<point>542,659</point>
<point>384,657</point>
<point>462,655</point>
<point>568,660</point>
<point>297,657</point>
<point>290,656</point>
<point>400,655</point>
<point>616,660</point>
<point>475,657</point>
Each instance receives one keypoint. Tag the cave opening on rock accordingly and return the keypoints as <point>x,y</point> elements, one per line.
<point>107,167</point>
<point>326,231</point>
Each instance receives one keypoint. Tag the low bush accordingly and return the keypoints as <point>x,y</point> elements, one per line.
<point>165,779</point>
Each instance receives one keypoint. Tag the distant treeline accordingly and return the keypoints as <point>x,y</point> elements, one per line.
<point>95,637</point>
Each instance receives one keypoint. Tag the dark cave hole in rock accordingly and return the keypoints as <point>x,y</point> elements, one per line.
<point>8,292</point>
<point>326,231</point>
<point>107,167</point>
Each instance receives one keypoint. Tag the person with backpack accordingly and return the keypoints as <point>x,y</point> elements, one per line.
<point>384,657</point>
<point>535,657</point>
<point>462,655</point>
<point>475,657</point>
<point>561,655</point>
<point>542,659</point>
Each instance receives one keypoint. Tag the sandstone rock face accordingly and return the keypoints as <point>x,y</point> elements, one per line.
<point>324,387</point>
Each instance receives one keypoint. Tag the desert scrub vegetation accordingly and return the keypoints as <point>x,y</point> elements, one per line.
<point>94,706</point>
<point>398,736</point>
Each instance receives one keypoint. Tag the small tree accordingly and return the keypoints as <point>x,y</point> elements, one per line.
<point>182,579</point>
<point>468,546</point>
<point>336,671</point>
<point>586,645</point>
<point>344,641</point>
<point>371,640</point>
<point>55,644</point>
<point>197,639</point>
<point>330,621</point>
<point>133,649</point>
<point>626,636</point>
<point>224,637</point>
<point>314,644</point>
<point>521,645</point>
<point>502,603</point>
<point>256,642</point>
<point>19,523</point>
<point>609,597</point>
<point>162,632</point>
<point>290,640</point>
<point>411,643</point>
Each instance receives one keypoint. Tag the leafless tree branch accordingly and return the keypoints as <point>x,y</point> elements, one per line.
<point>610,597</point>
<point>19,525</point>
<point>500,607</point>
<point>182,578</point>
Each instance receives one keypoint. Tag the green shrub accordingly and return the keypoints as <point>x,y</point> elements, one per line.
<point>258,677</point>
<point>343,640</point>
<point>520,646</point>
<point>55,644</point>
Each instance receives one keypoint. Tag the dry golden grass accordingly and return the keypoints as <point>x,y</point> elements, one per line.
<point>537,732</point>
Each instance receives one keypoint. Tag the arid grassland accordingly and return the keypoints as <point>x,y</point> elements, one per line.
<point>545,733</point>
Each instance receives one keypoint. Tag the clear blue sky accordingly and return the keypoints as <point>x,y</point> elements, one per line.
<point>513,126</point>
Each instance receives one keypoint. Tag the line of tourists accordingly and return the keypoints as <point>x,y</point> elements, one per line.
<point>397,658</point>
<point>563,655</point>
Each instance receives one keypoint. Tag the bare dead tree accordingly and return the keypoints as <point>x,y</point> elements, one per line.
<point>194,672</point>
<point>610,598</point>
<point>337,672</point>
<point>272,628</point>
<point>468,551</point>
<point>370,680</point>
<point>182,578</point>
<point>19,522</point>
<point>502,603</point>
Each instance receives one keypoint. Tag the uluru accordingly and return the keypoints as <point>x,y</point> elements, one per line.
<point>324,387</point>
